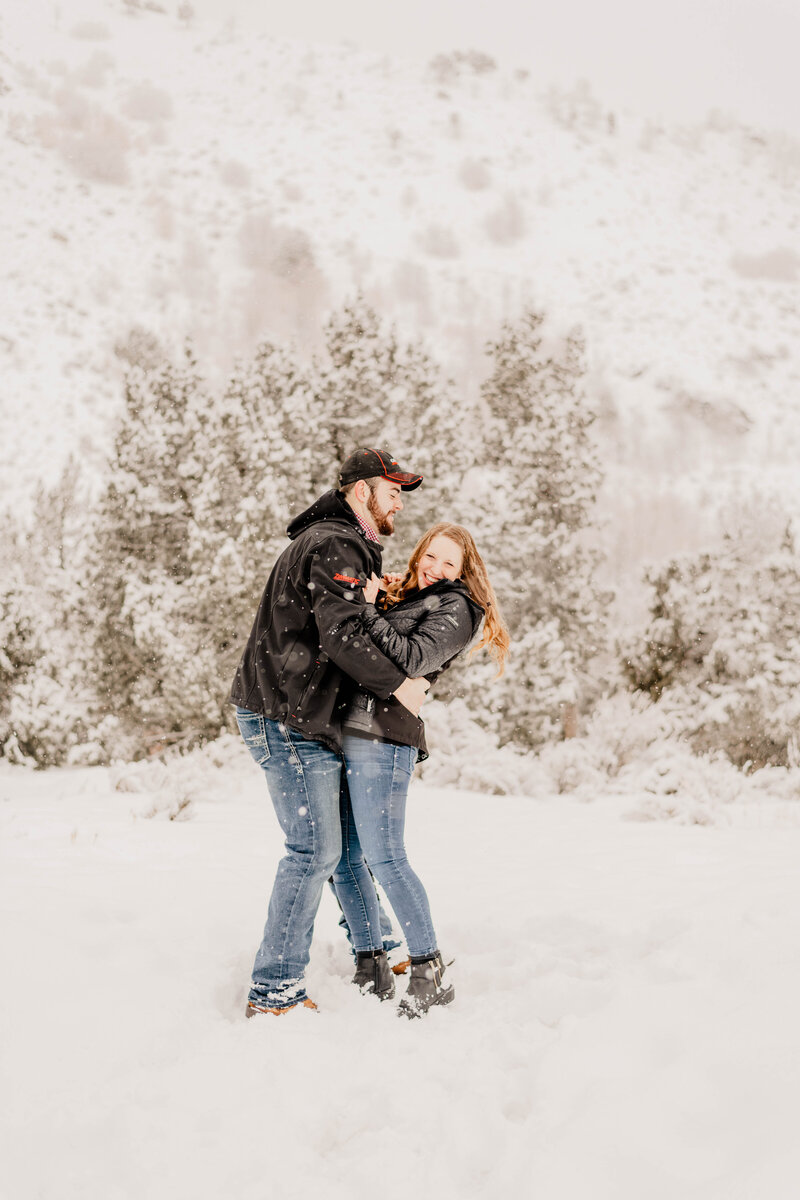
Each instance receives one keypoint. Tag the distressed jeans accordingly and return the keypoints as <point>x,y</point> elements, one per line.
<point>378,775</point>
<point>309,794</point>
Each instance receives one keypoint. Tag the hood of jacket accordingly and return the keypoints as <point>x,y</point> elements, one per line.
<point>329,507</point>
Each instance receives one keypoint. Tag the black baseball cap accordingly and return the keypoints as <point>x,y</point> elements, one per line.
<point>366,464</point>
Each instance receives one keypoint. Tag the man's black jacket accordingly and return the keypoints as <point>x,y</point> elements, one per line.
<point>307,637</point>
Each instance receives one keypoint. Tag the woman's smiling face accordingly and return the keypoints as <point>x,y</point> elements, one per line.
<point>442,559</point>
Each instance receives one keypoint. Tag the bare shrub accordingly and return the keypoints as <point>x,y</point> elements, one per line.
<point>474,175</point>
<point>140,348</point>
<point>447,69</point>
<point>439,241</point>
<point>92,142</point>
<point>163,216</point>
<point>507,223</point>
<point>409,198</point>
<point>145,102</point>
<point>74,109</point>
<point>277,249</point>
<point>575,108</point>
<point>234,174</point>
<point>411,283</point>
<point>255,240</point>
<point>93,72</point>
<point>99,150</point>
<point>478,62</point>
<point>779,265</point>
<point>291,190</point>
<point>287,290</point>
<point>90,31</point>
<point>292,254</point>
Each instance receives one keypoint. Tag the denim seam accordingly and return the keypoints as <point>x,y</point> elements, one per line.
<point>302,882</point>
<point>413,890</point>
<point>294,757</point>
<point>355,884</point>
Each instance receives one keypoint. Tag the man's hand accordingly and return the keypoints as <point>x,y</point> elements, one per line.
<point>371,589</point>
<point>411,694</point>
<point>391,577</point>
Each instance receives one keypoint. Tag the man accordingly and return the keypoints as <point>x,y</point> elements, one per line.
<point>306,645</point>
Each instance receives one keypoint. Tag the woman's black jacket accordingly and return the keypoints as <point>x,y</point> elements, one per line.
<point>421,635</point>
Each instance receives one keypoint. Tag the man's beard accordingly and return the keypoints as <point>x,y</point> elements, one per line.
<point>384,521</point>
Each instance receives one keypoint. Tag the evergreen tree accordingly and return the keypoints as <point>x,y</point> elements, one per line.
<point>373,390</point>
<point>531,502</point>
<point>149,656</point>
<point>721,651</point>
<point>258,460</point>
<point>47,709</point>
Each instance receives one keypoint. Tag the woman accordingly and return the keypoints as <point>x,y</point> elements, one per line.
<point>427,618</point>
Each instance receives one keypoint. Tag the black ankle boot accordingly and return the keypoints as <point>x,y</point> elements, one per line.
<point>426,987</point>
<point>373,974</point>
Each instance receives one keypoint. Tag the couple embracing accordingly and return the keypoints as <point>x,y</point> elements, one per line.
<point>327,695</point>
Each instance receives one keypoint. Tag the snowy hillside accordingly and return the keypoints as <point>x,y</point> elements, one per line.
<point>625,1023</point>
<point>191,179</point>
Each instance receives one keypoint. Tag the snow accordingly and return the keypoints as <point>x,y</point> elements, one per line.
<point>625,1022</point>
<point>623,914</point>
<point>675,247</point>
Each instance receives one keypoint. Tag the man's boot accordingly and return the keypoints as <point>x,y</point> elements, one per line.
<point>253,1009</point>
<point>373,974</point>
<point>426,987</point>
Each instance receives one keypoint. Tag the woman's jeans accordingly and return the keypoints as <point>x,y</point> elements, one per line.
<point>378,775</point>
<point>306,783</point>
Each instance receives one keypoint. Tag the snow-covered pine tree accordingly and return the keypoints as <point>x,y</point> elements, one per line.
<point>531,503</point>
<point>47,704</point>
<point>371,389</point>
<point>21,650</point>
<point>200,491</point>
<point>152,657</point>
<point>257,459</point>
<point>721,650</point>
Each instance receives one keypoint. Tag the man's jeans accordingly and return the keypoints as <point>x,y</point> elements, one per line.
<point>378,775</point>
<point>311,802</point>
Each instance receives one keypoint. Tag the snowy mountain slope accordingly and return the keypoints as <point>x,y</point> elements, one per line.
<point>192,179</point>
<point>625,1023</point>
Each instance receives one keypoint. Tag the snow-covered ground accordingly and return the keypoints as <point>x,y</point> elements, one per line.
<point>625,1023</point>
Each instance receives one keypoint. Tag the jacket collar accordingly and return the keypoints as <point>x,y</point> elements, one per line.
<point>328,507</point>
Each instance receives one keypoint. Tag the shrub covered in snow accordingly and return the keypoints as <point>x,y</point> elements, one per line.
<point>464,754</point>
<point>48,710</point>
<point>722,650</point>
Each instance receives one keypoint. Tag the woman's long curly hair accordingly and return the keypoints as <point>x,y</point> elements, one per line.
<point>495,637</point>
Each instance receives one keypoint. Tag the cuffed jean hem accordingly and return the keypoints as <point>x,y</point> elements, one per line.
<point>285,995</point>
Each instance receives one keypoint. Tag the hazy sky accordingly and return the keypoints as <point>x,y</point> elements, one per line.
<point>678,58</point>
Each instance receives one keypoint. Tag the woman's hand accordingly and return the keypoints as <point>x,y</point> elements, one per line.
<point>392,577</point>
<point>372,588</point>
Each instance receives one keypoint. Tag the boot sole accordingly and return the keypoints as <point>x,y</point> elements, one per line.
<point>255,1010</point>
<point>408,1010</point>
<point>366,990</point>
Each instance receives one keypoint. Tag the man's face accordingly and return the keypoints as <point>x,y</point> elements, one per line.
<point>383,503</point>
